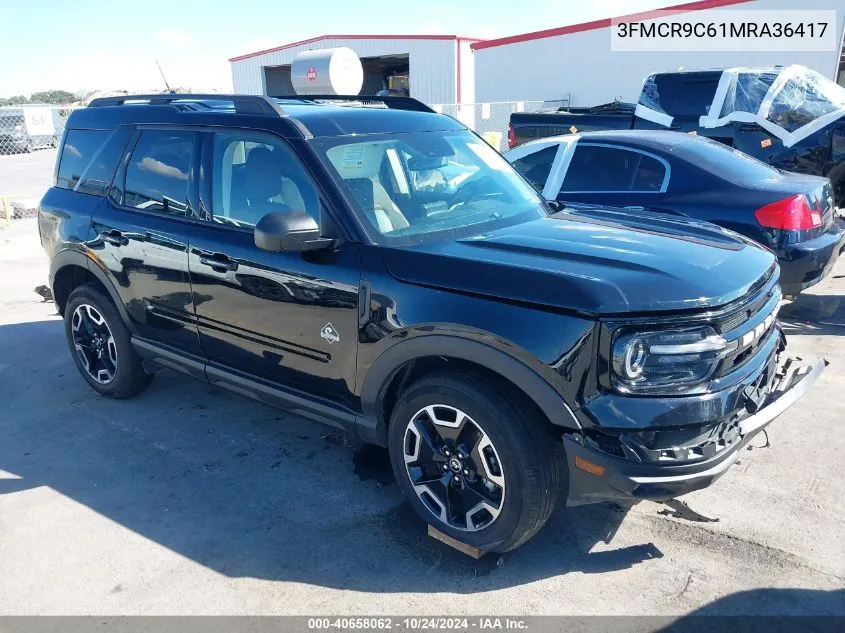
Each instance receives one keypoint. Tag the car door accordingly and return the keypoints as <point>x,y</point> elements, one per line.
<point>835,167</point>
<point>283,317</point>
<point>606,174</point>
<point>142,231</point>
<point>807,156</point>
<point>540,162</point>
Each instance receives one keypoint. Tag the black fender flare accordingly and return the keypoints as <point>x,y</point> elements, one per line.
<point>372,429</point>
<point>77,258</point>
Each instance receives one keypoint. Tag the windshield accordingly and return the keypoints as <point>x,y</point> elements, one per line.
<point>429,186</point>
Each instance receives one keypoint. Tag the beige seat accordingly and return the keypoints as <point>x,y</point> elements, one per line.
<point>377,205</point>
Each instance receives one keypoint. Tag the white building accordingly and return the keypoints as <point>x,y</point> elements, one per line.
<point>576,64</point>
<point>439,67</point>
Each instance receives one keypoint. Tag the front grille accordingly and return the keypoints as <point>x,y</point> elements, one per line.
<point>738,358</point>
<point>744,313</point>
<point>751,327</point>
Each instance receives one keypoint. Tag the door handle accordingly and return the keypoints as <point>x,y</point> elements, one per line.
<point>114,237</point>
<point>219,262</point>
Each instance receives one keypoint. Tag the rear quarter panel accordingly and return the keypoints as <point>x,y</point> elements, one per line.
<point>64,221</point>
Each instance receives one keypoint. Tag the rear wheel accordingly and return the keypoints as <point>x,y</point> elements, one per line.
<point>100,345</point>
<point>472,463</point>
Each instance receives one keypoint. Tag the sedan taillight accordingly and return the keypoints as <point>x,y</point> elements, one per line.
<point>790,214</point>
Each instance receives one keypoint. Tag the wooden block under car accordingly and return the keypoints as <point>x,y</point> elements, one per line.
<point>469,550</point>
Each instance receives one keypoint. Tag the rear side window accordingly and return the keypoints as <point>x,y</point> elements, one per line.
<point>686,97</point>
<point>158,172</point>
<point>596,168</point>
<point>79,148</point>
<point>723,161</point>
<point>536,166</point>
<point>100,171</point>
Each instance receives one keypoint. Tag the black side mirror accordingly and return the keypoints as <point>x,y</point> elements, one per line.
<point>291,231</point>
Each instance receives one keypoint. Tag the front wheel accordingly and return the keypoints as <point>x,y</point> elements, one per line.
<point>100,345</point>
<point>472,463</point>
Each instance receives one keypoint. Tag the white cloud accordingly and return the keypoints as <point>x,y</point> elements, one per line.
<point>162,169</point>
<point>433,28</point>
<point>174,37</point>
<point>486,32</point>
<point>135,72</point>
<point>572,12</point>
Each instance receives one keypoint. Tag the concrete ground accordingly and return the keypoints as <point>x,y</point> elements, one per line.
<point>190,500</point>
<point>26,175</point>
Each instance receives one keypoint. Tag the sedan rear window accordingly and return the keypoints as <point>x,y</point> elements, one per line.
<point>726,162</point>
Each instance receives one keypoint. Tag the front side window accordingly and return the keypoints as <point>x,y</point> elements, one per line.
<point>427,186</point>
<point>254,174</point>
<point>537,165</point>
<point>158,172</point>
<point>597,168</point>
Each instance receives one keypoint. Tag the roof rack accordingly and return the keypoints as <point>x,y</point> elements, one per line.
<point>392,102</point>
<point>244,104</point>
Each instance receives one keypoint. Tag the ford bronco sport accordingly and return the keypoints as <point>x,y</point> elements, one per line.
<point>378,267</point>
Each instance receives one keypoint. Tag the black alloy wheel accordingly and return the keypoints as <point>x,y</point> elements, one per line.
<point>454,467</point>
<point>94,343</point>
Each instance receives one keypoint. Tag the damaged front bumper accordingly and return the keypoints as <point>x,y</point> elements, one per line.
<point>631,465</point>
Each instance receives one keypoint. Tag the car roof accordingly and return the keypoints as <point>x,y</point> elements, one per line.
<point>332,120</point>
<point>294,117</point>
<point>653,139</point>
<point>647,139</point>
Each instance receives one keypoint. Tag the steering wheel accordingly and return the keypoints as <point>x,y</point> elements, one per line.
<point>468,191</point>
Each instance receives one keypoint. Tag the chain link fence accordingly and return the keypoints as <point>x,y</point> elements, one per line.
<point>25,132</point>
<point>490,120</point>
<point>26,128</point>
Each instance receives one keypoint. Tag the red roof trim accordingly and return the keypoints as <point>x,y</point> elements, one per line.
<point>354,37</point>
<point>604,23</point>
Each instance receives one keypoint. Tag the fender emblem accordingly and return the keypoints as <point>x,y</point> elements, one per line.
<point>330,334</point>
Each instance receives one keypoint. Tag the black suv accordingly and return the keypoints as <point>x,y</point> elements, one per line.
<point>378,267</point>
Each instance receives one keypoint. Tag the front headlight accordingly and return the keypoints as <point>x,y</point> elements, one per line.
<point>667,361</point>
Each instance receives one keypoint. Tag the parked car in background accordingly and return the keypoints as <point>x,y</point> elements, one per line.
<point>27,127</point>
<point>385,271</point>
<point>790,213</point>
<point>792,118</point>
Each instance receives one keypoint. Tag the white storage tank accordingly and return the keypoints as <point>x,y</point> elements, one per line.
<point>330,71</point>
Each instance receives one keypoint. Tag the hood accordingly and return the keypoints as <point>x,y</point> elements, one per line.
<point>596,261</point>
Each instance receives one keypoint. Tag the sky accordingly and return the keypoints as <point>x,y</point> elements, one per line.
<point>85,45</point>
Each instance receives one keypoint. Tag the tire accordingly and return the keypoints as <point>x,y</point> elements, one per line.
<point>521,448</point>
<point>124,376</point>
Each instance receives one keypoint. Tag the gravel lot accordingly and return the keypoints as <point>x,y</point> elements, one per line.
<point>189,500</point>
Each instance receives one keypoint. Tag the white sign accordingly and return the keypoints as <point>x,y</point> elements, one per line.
<point>39,121</point>
<point>746,30</point>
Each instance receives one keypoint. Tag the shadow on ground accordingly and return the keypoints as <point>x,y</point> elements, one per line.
<point>251,491</point>
<point>771,610</point>
<point>814,314</point>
